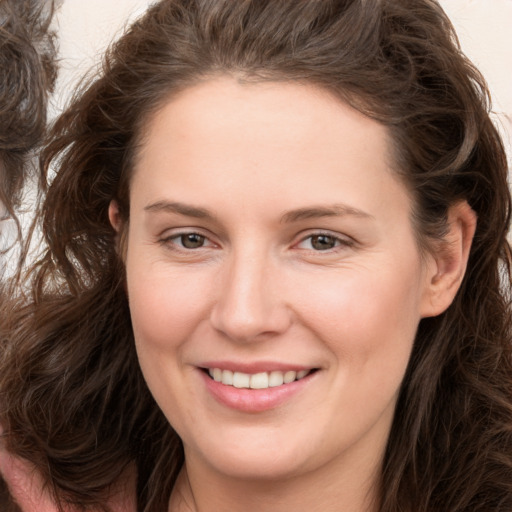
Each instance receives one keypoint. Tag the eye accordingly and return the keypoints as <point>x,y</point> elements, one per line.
<point>322,242</point>
<point>187,241</point>
<point>191,240</point>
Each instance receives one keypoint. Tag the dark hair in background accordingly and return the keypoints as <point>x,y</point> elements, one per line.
<point>75,402</point>
<point>27,75</point>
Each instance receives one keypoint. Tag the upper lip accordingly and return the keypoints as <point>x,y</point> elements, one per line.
<point>255,367</point>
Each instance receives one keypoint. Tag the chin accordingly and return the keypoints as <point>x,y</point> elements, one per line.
<point>260,467</point>
<point>258,457</point>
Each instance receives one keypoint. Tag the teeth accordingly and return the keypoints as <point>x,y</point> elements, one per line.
<point>227,377</point>
<point>241,380</point>
<point>275,379</point>
<point>289,377</point>
<point>261,380</point>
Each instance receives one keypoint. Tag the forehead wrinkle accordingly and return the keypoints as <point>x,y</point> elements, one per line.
<point>336,210</point>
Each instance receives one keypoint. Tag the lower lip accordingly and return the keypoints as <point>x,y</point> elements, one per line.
<point>254,400</point>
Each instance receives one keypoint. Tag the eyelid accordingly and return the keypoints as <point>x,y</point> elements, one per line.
<point>169,235</point>
<point>342,240</point>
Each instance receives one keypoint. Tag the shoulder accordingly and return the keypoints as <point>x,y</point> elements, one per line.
<point>28,491</point>
<point>25,485</point>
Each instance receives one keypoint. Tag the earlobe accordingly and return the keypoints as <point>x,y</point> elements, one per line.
<point>449,259</point>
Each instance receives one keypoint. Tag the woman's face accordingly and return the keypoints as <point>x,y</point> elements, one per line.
<point>270,245</point>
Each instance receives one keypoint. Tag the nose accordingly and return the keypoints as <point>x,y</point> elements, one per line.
<point>250,305</point>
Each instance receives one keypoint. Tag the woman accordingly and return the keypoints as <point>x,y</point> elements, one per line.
<point>277,273</point>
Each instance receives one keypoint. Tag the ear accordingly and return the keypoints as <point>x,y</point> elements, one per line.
<point>119,224</point>
<point>448,260</point>
<point>114,215</point>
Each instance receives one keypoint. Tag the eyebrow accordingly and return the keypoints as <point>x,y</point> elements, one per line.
<point>316,212</point>
<point>180,208</point>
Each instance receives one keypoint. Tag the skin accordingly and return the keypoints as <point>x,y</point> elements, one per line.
<point>262,172</point>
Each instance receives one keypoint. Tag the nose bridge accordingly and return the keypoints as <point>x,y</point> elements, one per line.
<point>249,305</point>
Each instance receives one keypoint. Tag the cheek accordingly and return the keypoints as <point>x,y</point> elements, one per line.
<point>367,317</point>
<point>165,305</point>
<point>165,309</point>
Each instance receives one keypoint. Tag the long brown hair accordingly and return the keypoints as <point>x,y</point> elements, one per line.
<point>74,399</point>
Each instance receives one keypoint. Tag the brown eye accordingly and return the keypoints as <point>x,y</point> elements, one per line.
<point>323,242</point>
<point>192,240</point>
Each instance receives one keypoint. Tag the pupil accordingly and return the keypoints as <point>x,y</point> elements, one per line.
<point>192,241</point>
<point>322,242</point>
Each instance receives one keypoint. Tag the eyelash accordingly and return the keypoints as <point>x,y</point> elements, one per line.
<point>175,242</point>
<point>340,242</point>
<point>171,241</point>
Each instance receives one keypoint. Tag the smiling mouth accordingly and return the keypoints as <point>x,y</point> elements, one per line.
<point>262,380</point>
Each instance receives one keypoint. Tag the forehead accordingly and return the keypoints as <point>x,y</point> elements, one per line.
<point>264,140</point>
<point>302,109</point>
